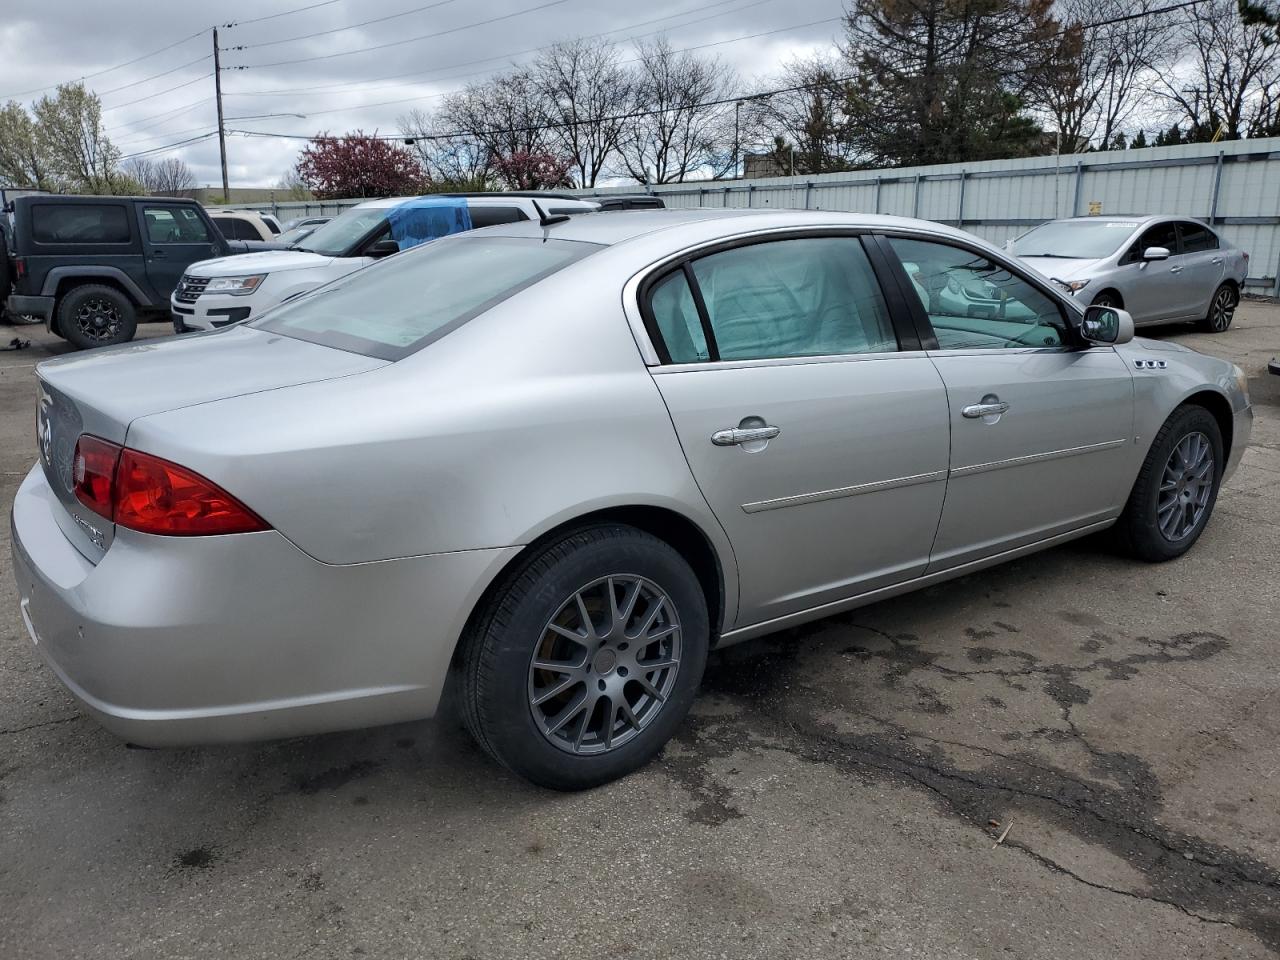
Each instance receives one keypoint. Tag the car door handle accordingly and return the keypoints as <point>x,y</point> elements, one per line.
<point>1175,269</point>
<point>158,255</point>
<point>1217,260</point>
<point>988,408</point>
<point>731,438</point>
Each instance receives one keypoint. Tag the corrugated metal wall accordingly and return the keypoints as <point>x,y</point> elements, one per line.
<point>1235,186</point>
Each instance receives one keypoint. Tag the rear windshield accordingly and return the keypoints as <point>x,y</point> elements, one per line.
<point>1075,239</point>
<point>401,304</point>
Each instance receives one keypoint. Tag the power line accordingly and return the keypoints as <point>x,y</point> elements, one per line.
<point>520,53</point>
<point>160,93</point>
<point>434,96</point>
<point>397,43</point>
<point>118,66</point>
<point>504,56</point>
<point>171,146</point>
<point>155,76</point>
<point>352,26</point>
<point>283,13</point>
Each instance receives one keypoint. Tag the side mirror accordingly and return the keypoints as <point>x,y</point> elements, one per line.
<point>1155,253</point>
<point>1106,325</point>
<point>383,248</point>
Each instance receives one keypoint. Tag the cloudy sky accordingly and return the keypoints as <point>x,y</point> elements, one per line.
<point>333,76</point>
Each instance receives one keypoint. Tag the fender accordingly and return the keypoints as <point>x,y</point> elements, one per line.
<point>57,274</point>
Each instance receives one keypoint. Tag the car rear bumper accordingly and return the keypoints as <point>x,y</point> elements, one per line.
<point>172,640</point>
<point>18,305</point>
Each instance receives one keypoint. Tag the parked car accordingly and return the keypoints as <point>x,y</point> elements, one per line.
<point>303,222</point>
<point>92,267</point>
<point>1158,268</point>
<point>217,293</point>
<point>555,465</point>
<point>243,225</point>
<point>295,235</point>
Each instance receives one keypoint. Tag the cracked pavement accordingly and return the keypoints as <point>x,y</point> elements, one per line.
<point>839,790</point>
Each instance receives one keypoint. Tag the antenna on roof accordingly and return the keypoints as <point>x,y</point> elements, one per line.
<point>545,219</point>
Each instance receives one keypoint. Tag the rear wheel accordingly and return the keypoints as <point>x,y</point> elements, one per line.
<point>587,659</point>
<point>1176,489</point>
<point>96,316</point>
<point>1222,308</point>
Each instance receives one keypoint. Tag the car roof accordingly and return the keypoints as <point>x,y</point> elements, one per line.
<point>633,224</point>
<point>483,199</point>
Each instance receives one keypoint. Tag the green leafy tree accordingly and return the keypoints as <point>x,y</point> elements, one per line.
<point>23,162</point>
<point>69,129</point>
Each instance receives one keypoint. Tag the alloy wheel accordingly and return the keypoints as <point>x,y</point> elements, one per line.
<point>605,664</point>
<point>1224,308</point>
<point>98,319</point>
<point>1185,487</point>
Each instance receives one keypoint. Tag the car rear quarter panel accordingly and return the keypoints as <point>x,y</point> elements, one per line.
<point>523,419</point>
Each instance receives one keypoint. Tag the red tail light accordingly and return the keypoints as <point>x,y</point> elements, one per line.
<point>19,267</point>
<point>152,495</point>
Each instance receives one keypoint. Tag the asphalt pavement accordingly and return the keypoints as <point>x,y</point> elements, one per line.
<point>839,791</point>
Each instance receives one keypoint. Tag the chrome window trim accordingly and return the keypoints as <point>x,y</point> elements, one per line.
<point>708,365</point>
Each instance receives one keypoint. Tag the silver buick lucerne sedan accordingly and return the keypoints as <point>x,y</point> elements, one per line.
<point>1157,268</point>
<point>556,463</point>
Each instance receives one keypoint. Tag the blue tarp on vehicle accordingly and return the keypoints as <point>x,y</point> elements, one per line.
<point>424,219</point>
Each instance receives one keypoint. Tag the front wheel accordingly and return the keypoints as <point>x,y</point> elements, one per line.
<point>587,659</point>
<point>1222,308</point>
<point>1176,489</point>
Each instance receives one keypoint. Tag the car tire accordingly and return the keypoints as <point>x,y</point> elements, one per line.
<point>1177,487</point>
<point>1222,308</point>
<point>95,315</point>
<point>548,725</point>
<point>1106,299</point>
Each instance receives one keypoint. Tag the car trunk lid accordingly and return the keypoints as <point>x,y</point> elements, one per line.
<point>102,392</point>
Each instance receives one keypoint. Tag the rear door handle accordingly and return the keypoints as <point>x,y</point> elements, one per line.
<point>989,407</point>
<point>1217,260</point>
<point>1175,269</point>
<point>731,438</point>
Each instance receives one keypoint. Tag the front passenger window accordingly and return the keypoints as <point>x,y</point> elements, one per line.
<point>975,303</point>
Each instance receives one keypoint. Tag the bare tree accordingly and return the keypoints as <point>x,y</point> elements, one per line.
<point>806,123</point>
<point>1230,80</point>
<point>451,157</point>
<point>586,93</point>
<point>293,186</point>
<point>170,177</point>
<point>505,115</point>
<point>1100,71</point>
<point>680,136</point>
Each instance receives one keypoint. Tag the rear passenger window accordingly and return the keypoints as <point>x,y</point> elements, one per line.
<point>676,316</point>
<point>79,223</point>
<point>1196,238</point>
<point>486,216</point>
<point>813,296</point>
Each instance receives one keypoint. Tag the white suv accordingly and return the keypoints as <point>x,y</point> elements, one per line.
<point>215,293</point>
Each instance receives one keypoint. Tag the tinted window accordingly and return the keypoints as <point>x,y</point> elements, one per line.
<point>973,302</point>
<point>486,216</point>
<point>233,228</point>
<point>676,316</point>
<point>794,298</point>
<point>1196,238</point>
<point>174,225</point>
<point>405,302</point>
<point>1075,239</point>
<point>79,223</point>
<point>1161,235</point>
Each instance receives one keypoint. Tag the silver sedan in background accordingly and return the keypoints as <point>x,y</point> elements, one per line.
<point>556,464</point>
<point>1157,268</point>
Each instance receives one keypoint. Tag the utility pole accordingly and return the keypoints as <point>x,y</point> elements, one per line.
<point>737,150</point>
<point>222,131</point>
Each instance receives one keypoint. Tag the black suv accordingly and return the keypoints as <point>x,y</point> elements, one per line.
<point>91,267</point>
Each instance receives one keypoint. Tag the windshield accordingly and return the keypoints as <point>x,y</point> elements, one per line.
<point>290,237</point>
<point>1075,239</point>
<point>334,239</point>
<point>401,304</point>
